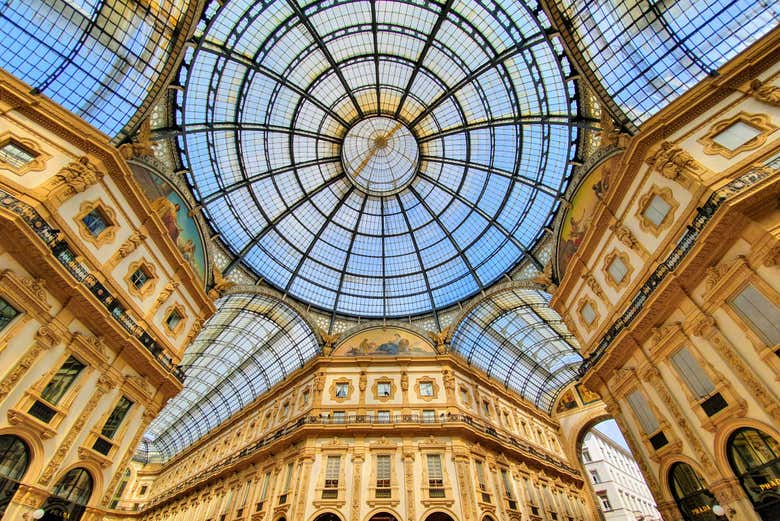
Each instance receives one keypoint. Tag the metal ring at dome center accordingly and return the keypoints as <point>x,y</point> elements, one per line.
<point>380,155</point>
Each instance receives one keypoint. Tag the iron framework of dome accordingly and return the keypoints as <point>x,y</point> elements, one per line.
<point>378,158</point>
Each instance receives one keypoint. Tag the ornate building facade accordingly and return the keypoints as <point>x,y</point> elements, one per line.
<point>374,260</point>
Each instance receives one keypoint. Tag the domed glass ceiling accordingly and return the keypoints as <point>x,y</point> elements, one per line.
<point>378,158</point>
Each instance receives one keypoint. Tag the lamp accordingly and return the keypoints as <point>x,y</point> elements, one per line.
<point>37,514</point>
<point>718,510</point>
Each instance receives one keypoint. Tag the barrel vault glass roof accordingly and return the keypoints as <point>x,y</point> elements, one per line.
<point>476,96</point>
<point>647,53</point>
<point>96,58</point>
<point>255,341</point>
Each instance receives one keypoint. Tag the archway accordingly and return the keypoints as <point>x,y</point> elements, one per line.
<point>754,457</point>
<point>327,517</point>
<point>615,480</point>
<point>383,516</point>
<point>14,460</point>
<point>439,516</point>
<point>69,497</point>
<point>694,500</point>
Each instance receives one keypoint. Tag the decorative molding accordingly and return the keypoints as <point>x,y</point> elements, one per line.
<point>328,341</point>
<point>644,201</point>
<point>37,164</point>
<point>611,256</point>
<point>673,163</point>
<point>764,92</point>
<point>74,178</point>
<point>334,385</point>
<point>440,339</point>
<point>129,246</point>
<point>375,389</point>
<point>221,284</point>
<point>164,295</point>
<point>151,281</point>
<point>627,238</point>
<point>760,122</point>
<point>106,236</point>
<point>593,284</point>
<point>434,386</point>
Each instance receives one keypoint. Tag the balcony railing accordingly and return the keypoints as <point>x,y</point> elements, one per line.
<point>362,419</point>
<point>82,273</point>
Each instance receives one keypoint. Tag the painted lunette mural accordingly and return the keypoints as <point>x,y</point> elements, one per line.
<point>172,209</point>
<point>385,342</point>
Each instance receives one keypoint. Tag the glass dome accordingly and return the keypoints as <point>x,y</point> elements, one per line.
<point>378,158</point>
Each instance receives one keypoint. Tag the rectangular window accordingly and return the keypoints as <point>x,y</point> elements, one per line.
<point>144,488</point>
<point>586,455</point>
<point>7,313</point>
<point>486,407</point>
<point>435,476</point>
<point>16,155</point>
<point>139,278</point>
<point>604,500</point>
<point>383,476</point>
<point>692,373</point>
<point>736,135</point>
<point>426,388</point>
<point>287,480</point>
<point>383,416</point>
<point>305,398</point>
<point>62,380</point>
<point>242,500</point>
<point>617,270</point>
<point>759,313</point>
<point>383,389</point>
<point>429,416</point>
<point>482,483</point>
<point>464,396</point>
<point>588,313</point>
<point>117,416</point>
<point>642,410</point>
<point>507,483</point>
<point>595,478</point>
<point>95,221</point>
<point>285,409</point>
<point>332,470</point>
<point>173,319</point>
<point>342,389</point>
<point>338,416</point>
<point>263,492</point>
<point>657,210</point>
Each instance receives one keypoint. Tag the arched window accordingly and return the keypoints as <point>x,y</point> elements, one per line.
<point>383,516</point>
<point>694,500</point>
<point>69,497</point>
<point>327,517</point>
<point>14,460</point>
<point>439,516</point>
<point>755,459</point>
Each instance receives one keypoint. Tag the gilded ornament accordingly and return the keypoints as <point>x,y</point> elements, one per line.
<point>672,161</point>
<point>77,176</point>
<point>221,284</point>
<point>141,145</point>
<point>131,244</point>
<point>593,284</point>
<point>764,92</point>
<point>440,339</point>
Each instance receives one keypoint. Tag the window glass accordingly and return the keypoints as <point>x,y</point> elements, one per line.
<point>117,416</point>
<point>383,388</point>
<point>657,210</point>
<point>7,313</point>
<point>429,416</point>
<point>692,374</point>
<point>62,380</point>
<point>736,135</point>
<point>642,410</point>
<point>173,319</point>
<point>338,416</point>
<point>750,449</point>
<point>14,154</point>
<point>383,416</point>
<point>383,471</point>
<point>505,478</point>
<point>95,221</point>
<point>341,390</point>
<point>139,278</point>
<point>617,270</point>
<point>588,313</point>
<point>75,486</point>
<point>14,457</point>
<point>426,389</point>
<point>332,471</point>
<point>435,475</point>
<point>759,313</point>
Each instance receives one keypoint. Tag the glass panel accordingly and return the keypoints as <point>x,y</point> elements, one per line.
<point>139,278</point>
<point>95,222</point>
<point>517,339</point>
<point>75,486</point>
<point>15,155</point>
<point>642,410</point>
<point>7,313</point>
<point>657,210</point>
<point>750,449</point>
<point>62,380</point>
<point>736,135</point>
<point>14,457</point>
<point>117,416</point>
<point>692,373</point>
<point>760,314</point>
<point>97,58</point>
<point>617,270</point>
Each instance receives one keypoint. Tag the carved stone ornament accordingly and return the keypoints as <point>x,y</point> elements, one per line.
<point>593,284</point>
<point>131,244</point>
<point>764,92</point>
<point>328,342</point>
<point>142,144</point>
<point>221,284</point>
<point>544,278</point>
<point>624,235</point>
<point>773,256</point>
<point>36,287</point>
<point>77,176</point>
<point>440,339</point>
<point>672,162</point>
